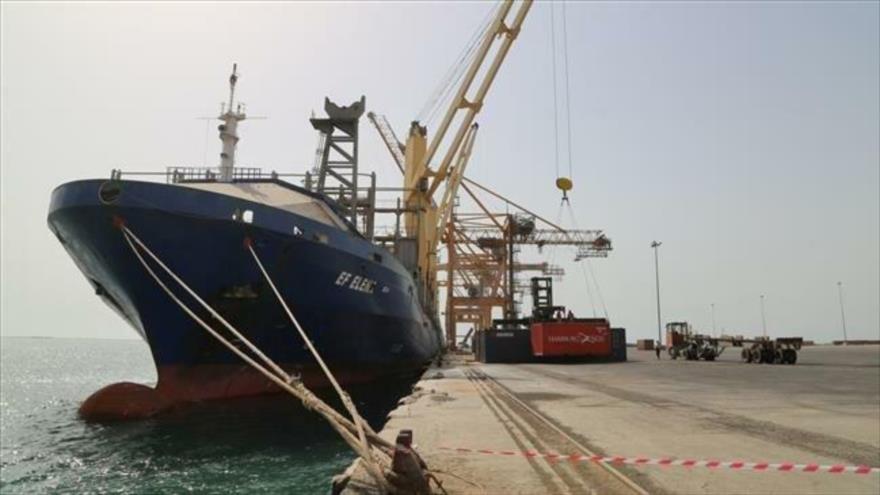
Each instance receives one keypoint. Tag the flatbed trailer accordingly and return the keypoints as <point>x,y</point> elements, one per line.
<point>771,351</point>
<point>683,342</point>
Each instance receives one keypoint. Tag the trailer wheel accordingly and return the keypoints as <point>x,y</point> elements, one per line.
<point>710,357</point>
<point>779,357</point>
<point>766,356</point>
<point>789,356</point>
<point>746,356</point>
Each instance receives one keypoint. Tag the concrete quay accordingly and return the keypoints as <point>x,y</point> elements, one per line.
<point>823,410</point>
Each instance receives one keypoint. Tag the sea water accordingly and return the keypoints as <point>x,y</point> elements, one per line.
<point>263,445</point>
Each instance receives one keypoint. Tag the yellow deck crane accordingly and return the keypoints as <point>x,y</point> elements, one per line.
<point>424,218</point>
<point>479,272</point>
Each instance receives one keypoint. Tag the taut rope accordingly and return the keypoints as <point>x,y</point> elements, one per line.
<point>346,400</point>
<point>290,384</point>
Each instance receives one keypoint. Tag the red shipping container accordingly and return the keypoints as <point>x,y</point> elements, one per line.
<point>586,337</point>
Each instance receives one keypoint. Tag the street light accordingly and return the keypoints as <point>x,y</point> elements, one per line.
<point>655,245</point>
<point>842,316</point>
<point>763,318</point>
<point>713,320</point>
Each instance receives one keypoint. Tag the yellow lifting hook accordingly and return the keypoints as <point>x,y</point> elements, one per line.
<point>564,184</point>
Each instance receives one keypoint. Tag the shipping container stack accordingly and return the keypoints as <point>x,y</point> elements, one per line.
<point>505,345</point>
<point>585,337</point>
<point>618,344</point>
<point>551,334</point>
<point>645,345</point>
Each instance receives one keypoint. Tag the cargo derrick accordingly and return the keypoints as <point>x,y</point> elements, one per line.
<point>437,164</point>
<point>480,272</point>
<point>424,219</point>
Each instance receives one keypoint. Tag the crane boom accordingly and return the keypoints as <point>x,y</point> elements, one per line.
<point>550,237</point>
<point>499,30</point>
<point>455,177</point>
<point>389,138</point>
<point>423,218</point>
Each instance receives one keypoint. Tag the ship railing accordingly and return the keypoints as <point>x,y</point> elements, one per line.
<point>177,174</point>
<point>380,211</point>
<point>174,175</point>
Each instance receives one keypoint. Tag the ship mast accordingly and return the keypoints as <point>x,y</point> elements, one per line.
<point>230,114</point>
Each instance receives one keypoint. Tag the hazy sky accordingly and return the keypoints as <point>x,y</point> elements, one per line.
<point>744,135</point>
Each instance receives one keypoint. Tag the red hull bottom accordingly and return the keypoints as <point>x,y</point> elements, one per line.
<point>185,384</point>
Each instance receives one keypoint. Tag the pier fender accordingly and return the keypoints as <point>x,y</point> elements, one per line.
<point>123,401</point>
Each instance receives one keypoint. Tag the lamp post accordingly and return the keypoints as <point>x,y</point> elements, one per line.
<point>763,318</point>
<point>713,320</point>
<point>842,315</point>
<point>655,245</point>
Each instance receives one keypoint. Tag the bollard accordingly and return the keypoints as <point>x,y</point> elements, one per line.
<point>408,468</point>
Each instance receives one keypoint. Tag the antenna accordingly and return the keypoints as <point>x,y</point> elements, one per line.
<point>229,129</point>
<point>233,78</point>
<point>230,115</point>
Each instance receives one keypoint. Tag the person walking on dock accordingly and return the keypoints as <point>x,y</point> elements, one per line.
<point>657,349</point>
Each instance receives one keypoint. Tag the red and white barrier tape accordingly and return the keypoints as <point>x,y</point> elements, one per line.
<point>688,463</point>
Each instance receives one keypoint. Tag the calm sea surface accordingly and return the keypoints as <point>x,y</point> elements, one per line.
<point>242,446</point>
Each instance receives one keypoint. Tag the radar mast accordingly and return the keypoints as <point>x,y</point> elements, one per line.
<point>230,114</point>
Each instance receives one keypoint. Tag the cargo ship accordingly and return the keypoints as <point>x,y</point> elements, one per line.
<point>361,305</point>
<point>365,291</point>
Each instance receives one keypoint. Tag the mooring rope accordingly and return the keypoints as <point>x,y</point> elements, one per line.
<point>292,385</point>
<point>346,400</point>
<point>205,305</point>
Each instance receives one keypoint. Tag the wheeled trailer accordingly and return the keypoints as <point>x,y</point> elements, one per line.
<point>683,342</point>
<point>772,351</point>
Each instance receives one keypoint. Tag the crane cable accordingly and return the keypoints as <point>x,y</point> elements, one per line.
<point>555,97</point>
<point>589,292</point>
<point>567,92</point>
<point>563,183</point>
<point>571,171</point>
<point>589,265</point>
<point>552,258</point>
<point>456,71</point>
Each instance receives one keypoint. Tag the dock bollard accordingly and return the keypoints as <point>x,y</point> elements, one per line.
<point>408,468</point>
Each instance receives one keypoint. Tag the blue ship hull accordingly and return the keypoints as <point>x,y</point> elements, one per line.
<point>365,331</point>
